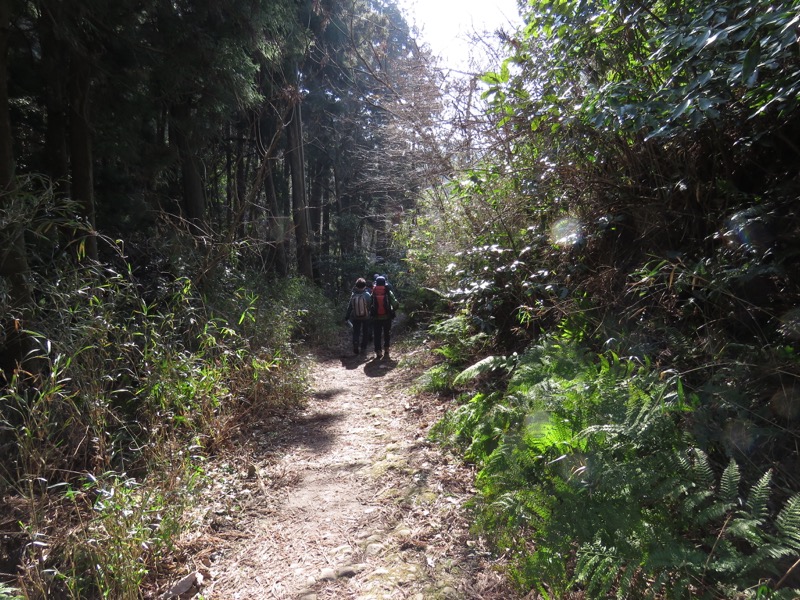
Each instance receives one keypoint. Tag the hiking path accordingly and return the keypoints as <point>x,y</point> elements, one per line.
<point>345,499</point>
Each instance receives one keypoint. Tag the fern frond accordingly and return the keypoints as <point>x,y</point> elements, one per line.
<point>587,562</point>
<point>625,583</point>
<point>748,530</point>
<point>701,469</point>
<point>728,562</point>
<point>695,498</point>
<point>788,522</point>
<point>715,512</point>
<point>609,569</point>
<point>759,495</point>
<point>599,569</point>
<point>729,484</point>
<point>490,363</point>
<point>658,585</point>
<point>768,553</point>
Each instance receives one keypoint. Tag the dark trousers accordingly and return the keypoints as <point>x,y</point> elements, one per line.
<point>360,330</point>
<point>369,327</point>
<point>382,327</point>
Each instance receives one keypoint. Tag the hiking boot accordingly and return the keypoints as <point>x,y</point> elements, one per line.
<point>386,353</point>
<point>378,355</point>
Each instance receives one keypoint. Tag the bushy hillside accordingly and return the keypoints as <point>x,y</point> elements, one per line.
<point>622,270</point>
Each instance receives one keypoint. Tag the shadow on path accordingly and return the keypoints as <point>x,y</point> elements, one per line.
<point>313,431</point>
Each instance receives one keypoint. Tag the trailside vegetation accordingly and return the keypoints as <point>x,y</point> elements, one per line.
<point>621,349</point>
<point>185,188</point>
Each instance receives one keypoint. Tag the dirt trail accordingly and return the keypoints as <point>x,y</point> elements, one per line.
<point>347,500</point>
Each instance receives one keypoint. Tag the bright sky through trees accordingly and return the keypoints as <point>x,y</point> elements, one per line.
<point>447,24</point>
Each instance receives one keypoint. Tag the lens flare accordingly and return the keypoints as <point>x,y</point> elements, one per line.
<point>749,230</point>
<point>566,232</point>
<point>790,324</point>
<point>739,435</point>
<point>786,403</point>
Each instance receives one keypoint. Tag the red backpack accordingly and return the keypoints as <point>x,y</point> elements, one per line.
<point>380,300</point>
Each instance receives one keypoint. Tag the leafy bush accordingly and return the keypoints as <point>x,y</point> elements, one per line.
<point>142,377</point>
<point>589,478</point>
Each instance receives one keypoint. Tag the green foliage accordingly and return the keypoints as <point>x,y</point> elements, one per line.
<point>458,337</point>
<point>129,527</point>
<point>141,381</point>
<point>9,593</point>
<point>483,366</point>
<point>628,251</point>
<point>301,307</point>
<point>437,379</point>
<point>588,461</point>
<point>457,341</point>
<point>659,69</point>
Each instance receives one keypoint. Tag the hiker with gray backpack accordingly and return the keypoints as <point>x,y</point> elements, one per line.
<point>358,314</point>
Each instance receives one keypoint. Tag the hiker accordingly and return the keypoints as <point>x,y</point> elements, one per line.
<point>358,310</point>
<point>369,324</point>
<point>384,306</point>
<point>388,285</point>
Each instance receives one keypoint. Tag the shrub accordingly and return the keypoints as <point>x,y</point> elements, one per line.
<point>588,476</point>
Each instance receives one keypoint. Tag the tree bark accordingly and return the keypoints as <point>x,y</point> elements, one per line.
<point>194,202</point>
<point>277,228</point>
<point>80,144</point>
<point>326,222</point>
<point>299,203</point>
<point>315,201</point>
<point>57,126</point>
<point>17,350</point>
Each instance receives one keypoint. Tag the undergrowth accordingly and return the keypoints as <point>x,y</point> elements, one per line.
<point>142,379</point>
<point>590,477</point>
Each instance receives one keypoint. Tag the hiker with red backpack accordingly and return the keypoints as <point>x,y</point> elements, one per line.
<point>358,313</point>
<point>383,309</point>
<point>369,325</point>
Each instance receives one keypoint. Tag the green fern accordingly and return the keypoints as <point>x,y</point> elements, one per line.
<point>9,593</point>
<point>729,484</point>
<point>788,522</point>
<point>588,478</point>
<point>483,366</point>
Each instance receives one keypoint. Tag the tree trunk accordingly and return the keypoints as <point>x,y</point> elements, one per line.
<point>300,206</point>
<point>315,201</point>
<point>326,222</point>
<point>18,346</point>
<point>241,194</point>
<point>277,228</point>
<point>80,143</point>
<point>229,179</point>
<point>55,146</point>
<point>194,202</point>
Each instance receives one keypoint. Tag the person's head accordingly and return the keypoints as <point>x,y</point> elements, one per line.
<point>380,280</point>
<point>370,283</point>
<point>361,283</point>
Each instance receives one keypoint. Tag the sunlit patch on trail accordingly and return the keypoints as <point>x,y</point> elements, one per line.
<point>566,232</point>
